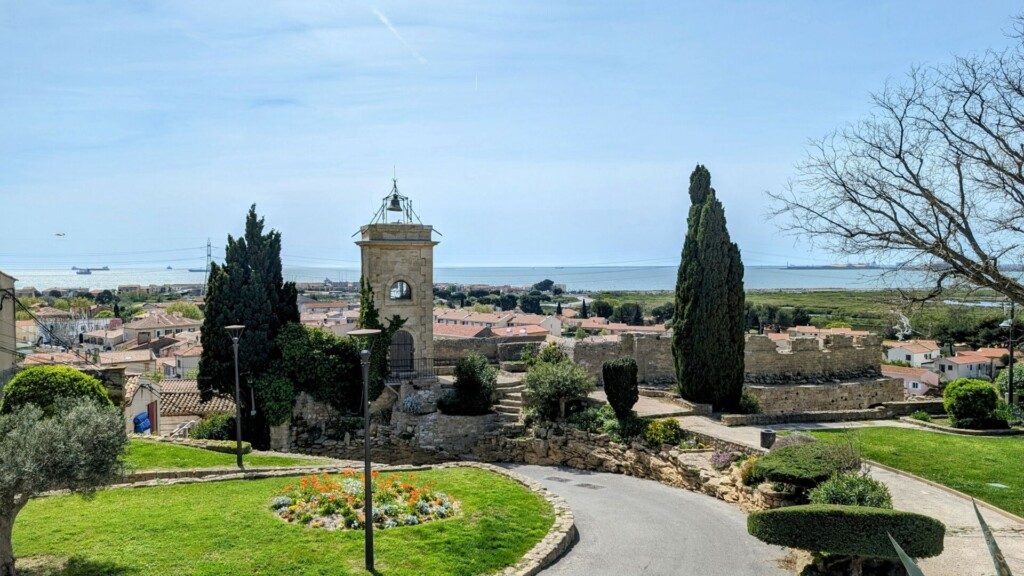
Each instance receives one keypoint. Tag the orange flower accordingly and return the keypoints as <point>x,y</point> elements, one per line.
<point>374,474</point>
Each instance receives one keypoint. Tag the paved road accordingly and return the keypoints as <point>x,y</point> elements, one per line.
<point>633,526</point>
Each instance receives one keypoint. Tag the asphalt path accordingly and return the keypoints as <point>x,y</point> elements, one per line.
<point>631,526</point>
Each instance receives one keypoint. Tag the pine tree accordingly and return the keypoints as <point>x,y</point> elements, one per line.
<point>247,289</point>
<point>708,328</point>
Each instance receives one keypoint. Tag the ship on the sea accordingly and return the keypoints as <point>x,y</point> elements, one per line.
<point>863,266</point>
<point>197,269</point>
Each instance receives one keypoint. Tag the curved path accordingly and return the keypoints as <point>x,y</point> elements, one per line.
<point>633,526</point>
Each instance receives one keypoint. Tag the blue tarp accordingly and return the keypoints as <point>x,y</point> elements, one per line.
<point>141,422</point>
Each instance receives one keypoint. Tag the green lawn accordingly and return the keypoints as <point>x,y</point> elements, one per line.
<point>145,455</point>
<point>965,463</point>
<point>226,529</point>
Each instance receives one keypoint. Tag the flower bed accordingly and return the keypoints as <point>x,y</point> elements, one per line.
<point>336,502</point>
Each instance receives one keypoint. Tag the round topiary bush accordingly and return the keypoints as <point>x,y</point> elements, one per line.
<point>972,404</point>
<point>852,490</point>
<point>43,386</point>
<point>620,385</point>
<point>806,465</point>
<point>553,388</point>
<point>848,530</point>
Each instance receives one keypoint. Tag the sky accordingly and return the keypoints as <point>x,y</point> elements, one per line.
<point>527,133</point>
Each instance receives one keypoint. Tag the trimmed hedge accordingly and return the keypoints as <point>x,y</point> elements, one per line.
<point>848,530</point>
<point>806,465</point>
<point>45,385</point>
<point>620,385</point>
<point>972,404</point>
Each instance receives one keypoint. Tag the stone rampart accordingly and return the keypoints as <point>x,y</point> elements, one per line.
<point>810,360</point>
<point>451,350</point>
<point>856,395</point>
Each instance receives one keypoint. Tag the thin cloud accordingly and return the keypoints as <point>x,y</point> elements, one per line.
<point>384,20</point>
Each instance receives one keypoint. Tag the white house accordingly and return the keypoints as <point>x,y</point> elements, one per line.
<point>916,381</point>
<point>964,365</point>
<point>915,352</point>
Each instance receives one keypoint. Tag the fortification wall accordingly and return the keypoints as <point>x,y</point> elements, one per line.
<point>451,350</point>
<point>810,360</point>
<point>856,395</point>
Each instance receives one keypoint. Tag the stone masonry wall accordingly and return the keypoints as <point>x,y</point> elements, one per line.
<point>451,350</point>
<point>810,360</point>
<point>783,399</point>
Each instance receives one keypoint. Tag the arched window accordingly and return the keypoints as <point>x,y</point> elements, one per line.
<point>401,291</point>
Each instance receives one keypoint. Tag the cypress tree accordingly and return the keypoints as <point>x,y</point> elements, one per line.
<point>558,309</point>
<point>584,313</point>
<point>249,289</point>
<point>708,328</point>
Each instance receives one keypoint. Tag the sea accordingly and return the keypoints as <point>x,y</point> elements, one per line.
<point>574,278</point>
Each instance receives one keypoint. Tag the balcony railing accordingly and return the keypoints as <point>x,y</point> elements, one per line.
<point>411,369</point>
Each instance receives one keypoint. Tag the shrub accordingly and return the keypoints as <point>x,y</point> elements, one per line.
<point>749,404</point>
<point>591,419</point>
<point>1002,381</point>
<point>474,388</point>
<point>223,446</point>
<point>44,386</point>
<point>848,530</point>
<point>624,429</point>
<point>794,439</point>
<point>806,465</point>
<point>852,490</point>
<point>662,431</point>
<point>214,427</point>
<point>275,396</point>
<point>972,404</point>
<point>747,471</point>
<point>922,416</point>
<point>620,385</point>
<point>554,387</point>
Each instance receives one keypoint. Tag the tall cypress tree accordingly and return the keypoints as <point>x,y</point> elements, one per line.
<point>249,289</point>
<point>708,329</point>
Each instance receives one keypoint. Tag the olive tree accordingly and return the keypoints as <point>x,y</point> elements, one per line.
<point>930,180</point>
<point>77,448</point>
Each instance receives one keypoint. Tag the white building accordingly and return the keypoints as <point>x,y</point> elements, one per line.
<point>915,352</point>
<point>963,366</point>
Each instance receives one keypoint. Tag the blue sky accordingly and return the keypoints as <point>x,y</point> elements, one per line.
<point>529,133</point>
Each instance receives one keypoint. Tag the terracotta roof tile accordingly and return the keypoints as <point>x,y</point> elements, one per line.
<point>182,398</point>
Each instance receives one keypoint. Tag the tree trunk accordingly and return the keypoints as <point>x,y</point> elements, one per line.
<point>6,547</point>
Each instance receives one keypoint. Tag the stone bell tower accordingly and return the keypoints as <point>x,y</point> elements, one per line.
<point>398,262</point>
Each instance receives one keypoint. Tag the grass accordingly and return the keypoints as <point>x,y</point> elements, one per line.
<point>145,455</point>
<point>965,463</point>
<point>226,529</point>
<point>864,309</point>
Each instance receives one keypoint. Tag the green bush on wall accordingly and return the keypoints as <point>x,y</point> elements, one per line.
<point>214,427</point>
<point>806,465</point>
<point>45,385</point>
<point>848,530</point>
<point>972,404</point>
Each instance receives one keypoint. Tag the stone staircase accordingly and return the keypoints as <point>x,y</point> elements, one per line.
<point>510,401</point>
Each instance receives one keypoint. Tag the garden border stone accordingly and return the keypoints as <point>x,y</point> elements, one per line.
<point>963,431</point>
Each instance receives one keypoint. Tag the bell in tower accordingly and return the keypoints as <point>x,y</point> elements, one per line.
<point>398,263</point>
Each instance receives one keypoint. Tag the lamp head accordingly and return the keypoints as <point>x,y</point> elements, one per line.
<point>1005,324</point>
<point>235,330</point>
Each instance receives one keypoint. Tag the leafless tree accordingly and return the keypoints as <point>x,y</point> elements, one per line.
<point>932,179</point>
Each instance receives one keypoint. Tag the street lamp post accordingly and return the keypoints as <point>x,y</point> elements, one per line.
<point>1009,377</point>
<point>364,360</point>
<point>235,330</point>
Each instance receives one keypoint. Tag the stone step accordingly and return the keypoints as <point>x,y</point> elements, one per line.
<point>510,403</point>
<point>510,387</point>
<point>507,410</point>
<point>517,396</point>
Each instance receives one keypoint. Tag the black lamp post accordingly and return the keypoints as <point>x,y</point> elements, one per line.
<point>235,330</point>
<point>1009,377</point>
<point>364,358</point>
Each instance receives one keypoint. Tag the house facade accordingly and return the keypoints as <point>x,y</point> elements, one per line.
<point>917,353</point>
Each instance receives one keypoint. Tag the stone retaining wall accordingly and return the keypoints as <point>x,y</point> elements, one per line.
<point>457,433</point>
<point>880,413</point>
<point>451,350</point>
